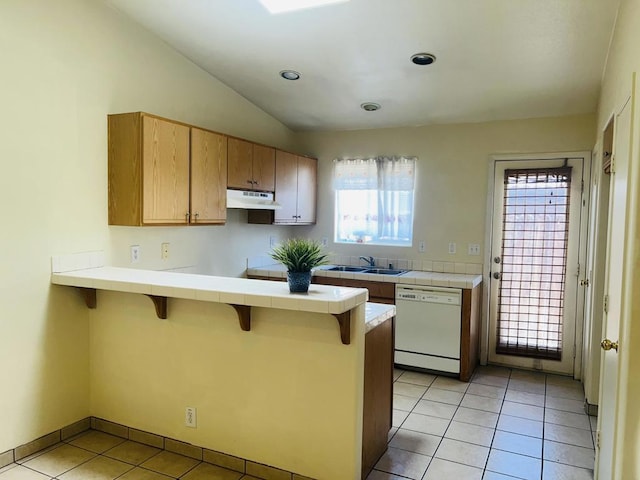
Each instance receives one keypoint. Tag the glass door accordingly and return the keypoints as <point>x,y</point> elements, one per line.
<point>535,266</point>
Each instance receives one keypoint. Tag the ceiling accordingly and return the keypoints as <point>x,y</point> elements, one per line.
<point>496,59</point>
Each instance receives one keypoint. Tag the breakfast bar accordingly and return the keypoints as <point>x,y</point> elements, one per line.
<point>274,378</point>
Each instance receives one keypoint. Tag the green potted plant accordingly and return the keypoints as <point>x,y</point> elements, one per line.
<point>299,256</point>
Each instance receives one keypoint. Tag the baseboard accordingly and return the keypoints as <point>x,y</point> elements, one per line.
<point>22,451</point>
<point>241,465</point>
<point>590,409</point>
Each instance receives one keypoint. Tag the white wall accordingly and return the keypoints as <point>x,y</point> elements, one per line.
<point>65,66</point>
<point>623,60</point>
<point>451,185</point>
<point>287,394</point>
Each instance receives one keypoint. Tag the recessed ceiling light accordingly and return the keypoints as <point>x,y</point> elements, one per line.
<point>280,6</point>
<point>423,58</point>
<point>289,74</point>
<point>370,106</point>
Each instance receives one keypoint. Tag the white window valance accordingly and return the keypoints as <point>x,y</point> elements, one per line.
<point>384,173</point>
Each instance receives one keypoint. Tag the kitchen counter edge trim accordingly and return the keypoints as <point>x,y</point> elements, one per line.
<point>237,291</point>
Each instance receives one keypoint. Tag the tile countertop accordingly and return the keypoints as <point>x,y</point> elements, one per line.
<point>412,277</point>
<point>239,291</point>
<point>376,313</point>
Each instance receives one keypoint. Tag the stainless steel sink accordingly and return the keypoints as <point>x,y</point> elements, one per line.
<point>384,271</point>
<point>346,268</point>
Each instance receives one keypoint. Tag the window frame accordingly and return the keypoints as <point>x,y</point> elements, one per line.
<point>397,173</point>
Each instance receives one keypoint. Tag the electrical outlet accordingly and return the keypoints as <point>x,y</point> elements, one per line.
<point>190,417</point>
<point>164,251</point>
<point>135,253</point>
<point>474,249</point>
<point>452,248</point>
<point>325,241</point>
<point>422,246</point>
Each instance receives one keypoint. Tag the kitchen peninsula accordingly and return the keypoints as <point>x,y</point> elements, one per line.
<point>277,379</point>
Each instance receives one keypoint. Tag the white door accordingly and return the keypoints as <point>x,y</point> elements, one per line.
<point>609,385</point>
<point>536,251</point>
<point>594,279</point>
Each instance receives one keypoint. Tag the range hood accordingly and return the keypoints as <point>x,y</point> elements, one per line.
<point>251,200</point>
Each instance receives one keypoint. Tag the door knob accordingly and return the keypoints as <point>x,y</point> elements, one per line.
<point>608,345</point>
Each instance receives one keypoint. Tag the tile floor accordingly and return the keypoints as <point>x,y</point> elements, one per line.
<point>95,455</point>
<point>505,424</point>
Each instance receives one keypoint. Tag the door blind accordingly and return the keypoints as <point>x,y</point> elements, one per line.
<point>535,229</point>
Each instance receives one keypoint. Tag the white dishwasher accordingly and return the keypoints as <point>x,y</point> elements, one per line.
<point>428,327</point>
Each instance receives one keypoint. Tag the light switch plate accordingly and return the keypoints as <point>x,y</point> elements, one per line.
<point>474,249</point>
<point>452,248</point>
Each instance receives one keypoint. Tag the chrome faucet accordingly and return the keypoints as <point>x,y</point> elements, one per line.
<point>370,260</point>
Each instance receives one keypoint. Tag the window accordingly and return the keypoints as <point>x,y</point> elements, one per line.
<point>374,200</point>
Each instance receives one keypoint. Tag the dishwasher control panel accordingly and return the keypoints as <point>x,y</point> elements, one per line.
<point>446,296</point>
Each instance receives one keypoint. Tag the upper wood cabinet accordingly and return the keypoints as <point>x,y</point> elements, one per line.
<point>264,168</point>
<point>250,166</point>
<point>295,188</point>
<point>149,172</point>
<point>208,177</point>
<point>239,164</point>
<point>307,189</point>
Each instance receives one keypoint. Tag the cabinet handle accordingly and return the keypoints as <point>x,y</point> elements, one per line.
<point>250,181</point>
<point>186,216</point>
<point>197,215</point>
<point>256,183</point>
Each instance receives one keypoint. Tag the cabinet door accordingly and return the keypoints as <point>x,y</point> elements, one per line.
<point>165,171</point>
<point>239,164</point>
<point>208,177</point>
<point>264,168</point>
<point>286,187</point>
<point>307,185</point>
<point>378,393</point>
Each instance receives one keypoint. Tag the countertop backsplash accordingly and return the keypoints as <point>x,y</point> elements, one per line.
<point>402,264</point>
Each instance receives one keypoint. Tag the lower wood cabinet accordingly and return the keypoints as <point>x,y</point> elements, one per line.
<point>379,292</point>
<point>471,318</point>
<point>378,393</point>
